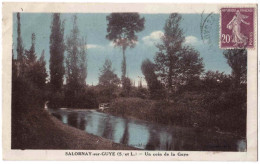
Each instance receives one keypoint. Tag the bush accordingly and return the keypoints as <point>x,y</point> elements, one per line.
<point>84,98</point>
<point>228,110</point>
<point>159,111</point>
<point>56,100</point>
<point>139,92</point>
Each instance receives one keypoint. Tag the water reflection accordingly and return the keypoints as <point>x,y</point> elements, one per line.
<point>125,136</point>
<point>154,140</point>
<point>145,135</point>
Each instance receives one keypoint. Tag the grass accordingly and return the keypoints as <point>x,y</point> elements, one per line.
<point>39,130</point>
<point>156,111</point>
<point>185,111</point>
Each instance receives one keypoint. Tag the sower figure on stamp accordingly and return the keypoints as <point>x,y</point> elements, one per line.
<point>234,25</point>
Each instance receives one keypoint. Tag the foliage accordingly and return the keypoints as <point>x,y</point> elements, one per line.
<point>86,98</point>
<point>35,70</point>
<point>154,86</point>
<point>108,81</point>
<point>176,64</point>
<point>57,48</point>
<point>139,92</point>
<point>237,60</point>
<point>28,79</point>
<point>126,87</point>
<point>82,62</point>
<point>216,80</point>
<point>107,76</point>
<point>20,47</point>
<point>122,29</point>
<point>75,64</point>
<point>30,55</point>
<point>72,69</point>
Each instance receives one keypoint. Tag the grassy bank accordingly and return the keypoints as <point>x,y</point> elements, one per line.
<point>186,111</point>
<point>156,111</point>
<point>39,130</point>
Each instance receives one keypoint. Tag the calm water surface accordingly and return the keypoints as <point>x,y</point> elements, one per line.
<point>145,135</point>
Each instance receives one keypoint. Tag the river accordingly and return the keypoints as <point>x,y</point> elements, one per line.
<point>146,135</point>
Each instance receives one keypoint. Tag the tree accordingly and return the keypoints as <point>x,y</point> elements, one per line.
<point>83,62</point>
<point>57,48</point>
<point>20,69</point>
<point>237,60</point>
<point>191,65</point>
<point>19,48</point>
<point>41,72</point>
<point>76,68</point>
<point>72,69</point>
<point>154,86</point>
<point>108,80</point>
<point>30,61</point>
<point>169,50</point>
<point>176,64</point>
<point>107,76</point>
<point>214,80</point>
<point>35,69</point>
<point>127,86</point>
<point>122,29</point>
<point>30,54</point>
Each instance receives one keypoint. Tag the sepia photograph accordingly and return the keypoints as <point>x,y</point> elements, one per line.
<point>136,81</point>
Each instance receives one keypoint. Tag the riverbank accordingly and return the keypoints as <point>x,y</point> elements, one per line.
<point>40,130</point>
<point>186,112</point>
<point>161,112</point>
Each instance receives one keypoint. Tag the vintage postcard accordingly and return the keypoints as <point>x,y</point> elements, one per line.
<point>146,81</point>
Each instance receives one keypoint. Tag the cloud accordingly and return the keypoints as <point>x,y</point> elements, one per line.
<point>192,40</point>
<point>153,38</point>
<point>92,46</point>
<point>112,44</point>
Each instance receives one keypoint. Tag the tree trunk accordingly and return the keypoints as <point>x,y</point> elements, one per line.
<point>170,76</point>
<point>124,64</point>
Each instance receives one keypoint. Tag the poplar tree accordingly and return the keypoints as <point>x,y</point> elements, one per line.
<point>19,48</point>
<point>57,48</point>
<point>72,59</point>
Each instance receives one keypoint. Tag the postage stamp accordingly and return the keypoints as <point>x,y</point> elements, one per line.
<point>237,28</point>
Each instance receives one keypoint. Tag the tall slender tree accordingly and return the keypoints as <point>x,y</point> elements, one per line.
<point>83,61</point>
<point>57,48</point>
<point>72,60</point>
<point>76,66</point>
<point>122,29</point>
<point>20,47</point>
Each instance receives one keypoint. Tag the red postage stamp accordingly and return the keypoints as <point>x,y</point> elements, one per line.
<point>237,28</point>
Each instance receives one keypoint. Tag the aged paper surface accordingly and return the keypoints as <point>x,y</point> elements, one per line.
<point>100,132</point>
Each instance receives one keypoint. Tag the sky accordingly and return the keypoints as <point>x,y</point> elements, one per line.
<point>93,28</point>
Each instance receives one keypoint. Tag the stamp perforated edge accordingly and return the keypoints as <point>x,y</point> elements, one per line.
<point>254,31</point>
